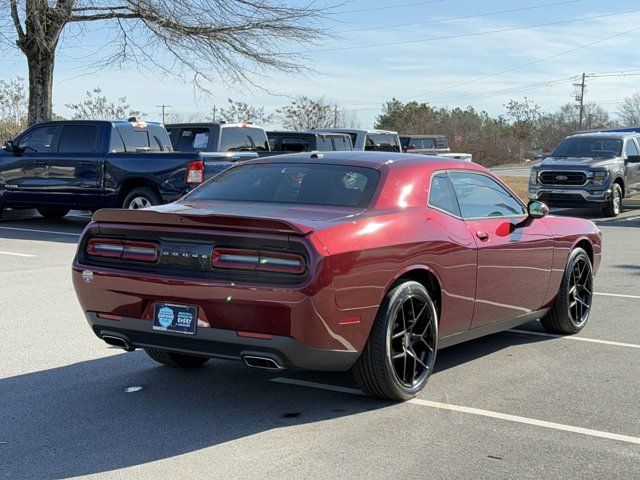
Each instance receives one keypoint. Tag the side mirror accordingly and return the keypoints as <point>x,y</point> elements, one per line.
<point>633,159</point>
<point>537,209</point>
<point>9,146</point>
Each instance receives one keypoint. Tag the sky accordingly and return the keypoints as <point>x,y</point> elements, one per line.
<point>448,53</point>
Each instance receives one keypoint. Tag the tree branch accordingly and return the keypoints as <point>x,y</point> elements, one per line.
<point>16,20</point>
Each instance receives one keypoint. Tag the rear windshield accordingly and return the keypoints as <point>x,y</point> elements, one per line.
<point>382,142</point>
<point>336,185</point>
<point>591,147</point>
<point>243,139</point>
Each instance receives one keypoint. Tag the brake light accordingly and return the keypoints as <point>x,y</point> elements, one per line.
<point>258,260</point>
<point>123,249</point>
<point>195,173</point>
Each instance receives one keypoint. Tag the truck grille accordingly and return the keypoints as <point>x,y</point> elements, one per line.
<point>563,178</point>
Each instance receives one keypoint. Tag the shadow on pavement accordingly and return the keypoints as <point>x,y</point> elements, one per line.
<point>78,419</point>
<point>28,225</point>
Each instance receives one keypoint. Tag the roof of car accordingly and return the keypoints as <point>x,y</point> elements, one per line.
<point>292,133</point>
<point>369,159</point>
<point>351,130</point>
<point>607,134</point>
<point>422,136</point>
<point>210,124</point>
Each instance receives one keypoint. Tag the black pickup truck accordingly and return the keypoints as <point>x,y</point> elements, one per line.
<point>594,169</point>
<point>62,165</point>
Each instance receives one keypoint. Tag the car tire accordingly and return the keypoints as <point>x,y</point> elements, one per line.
<point>176,360</point>
<point>399,355</point>
<point>614,204</point>
<point>572,307</point>
<point>52,213</point>
<point>141,197</point>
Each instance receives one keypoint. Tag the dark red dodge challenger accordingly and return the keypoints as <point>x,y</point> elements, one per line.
<point>348,260</point>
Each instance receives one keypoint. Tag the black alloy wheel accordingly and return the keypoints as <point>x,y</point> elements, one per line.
<point>400,354</point>
<point>573,303</point>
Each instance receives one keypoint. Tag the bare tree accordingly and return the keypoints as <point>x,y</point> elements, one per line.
<point>524,116</point>
<point>228,39</point>
<point>238,112</point>
<point>629,111</point>
<point>98,106</point>
<point>13,108</point>
<point>306,113</point>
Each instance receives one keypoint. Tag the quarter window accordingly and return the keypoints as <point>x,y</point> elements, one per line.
<point>441,195</point>
<point>631,148</point>
<point>480,196</point>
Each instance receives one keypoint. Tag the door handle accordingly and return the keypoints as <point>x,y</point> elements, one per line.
<point>86,162</point>
<point>482,235</point>
<point>39,162</point>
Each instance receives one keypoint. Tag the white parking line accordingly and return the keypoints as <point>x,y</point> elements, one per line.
<point>474,411</point>
<point>619,295</point>
<point>40,231</point>
<point>26,255</point>
<point>579,339</point>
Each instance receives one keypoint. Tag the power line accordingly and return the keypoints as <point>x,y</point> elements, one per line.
<point>533,62</point>
<point>163,106</point>
<point>388,7</point>
<point>462,17</point>
<point>461,35</point>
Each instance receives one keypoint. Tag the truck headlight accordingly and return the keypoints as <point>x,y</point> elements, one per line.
<point>599,178</point>
<point>533,178</point>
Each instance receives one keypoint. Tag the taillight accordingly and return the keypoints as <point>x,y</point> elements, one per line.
<point>258,260</point>
<point>195,173</point>
<point>123,249</point>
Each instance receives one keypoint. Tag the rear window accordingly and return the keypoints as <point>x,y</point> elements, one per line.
<point>243,139</point>
<point>294,144</point>
<point>336,185</point>
<point>78,139</point>
<point>589,147</point>
<point>341,144</point>
<point>382,142</point>
<point>192,140</point>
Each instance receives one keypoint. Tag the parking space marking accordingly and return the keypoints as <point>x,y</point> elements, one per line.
<point>26,255</point>
<point>40,231</point>
<point>579,339</point>
<point>619,295</point>
<point>474,411</point>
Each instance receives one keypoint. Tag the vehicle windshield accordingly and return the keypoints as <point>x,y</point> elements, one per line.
<point>382,142</point>
<point>335,185</point>
<point>589,147</point>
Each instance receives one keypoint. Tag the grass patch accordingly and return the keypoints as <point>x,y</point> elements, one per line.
<point>520,185</point>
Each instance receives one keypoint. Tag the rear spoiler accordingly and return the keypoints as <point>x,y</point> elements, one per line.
<point>194,220</point>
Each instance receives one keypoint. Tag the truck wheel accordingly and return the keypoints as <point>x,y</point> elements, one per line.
<point>52,213</point>
<point>176,360</point>
<point>571,311</point>
<point>399,356</point>
<point>141,197</point>
<point>614,205</point>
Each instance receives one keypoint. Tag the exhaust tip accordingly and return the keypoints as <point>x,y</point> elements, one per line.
<point>118,341</point>
<point>261,362</point>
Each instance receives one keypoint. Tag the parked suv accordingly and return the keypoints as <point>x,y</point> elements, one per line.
<point>292,142</point>
<point>596,169</point>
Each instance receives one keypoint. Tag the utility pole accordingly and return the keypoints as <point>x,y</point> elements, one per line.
<point>335,116</point>
<point>580,97</point>
<point>213,111</point>
<point>163,106</point>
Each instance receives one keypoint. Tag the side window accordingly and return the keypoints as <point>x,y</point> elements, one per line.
<point>631,148</point>
<point>429,143</point>
<point>341,144</point>
<point>78,139</point>
<point>294,144</point>
<point>479,196</point>
<point>415,144</point>
<point>116,144</point>
<point>441,195</point>
<point>323,143</point>
<point>39,139</point>
<point>258,139</point>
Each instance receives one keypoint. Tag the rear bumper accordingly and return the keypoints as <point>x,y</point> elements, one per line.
<point>225,344</point>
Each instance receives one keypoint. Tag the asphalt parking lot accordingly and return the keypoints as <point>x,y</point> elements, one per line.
<point>519,404</point>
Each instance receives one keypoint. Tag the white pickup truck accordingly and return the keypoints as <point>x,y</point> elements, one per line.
<point>431,145</point>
